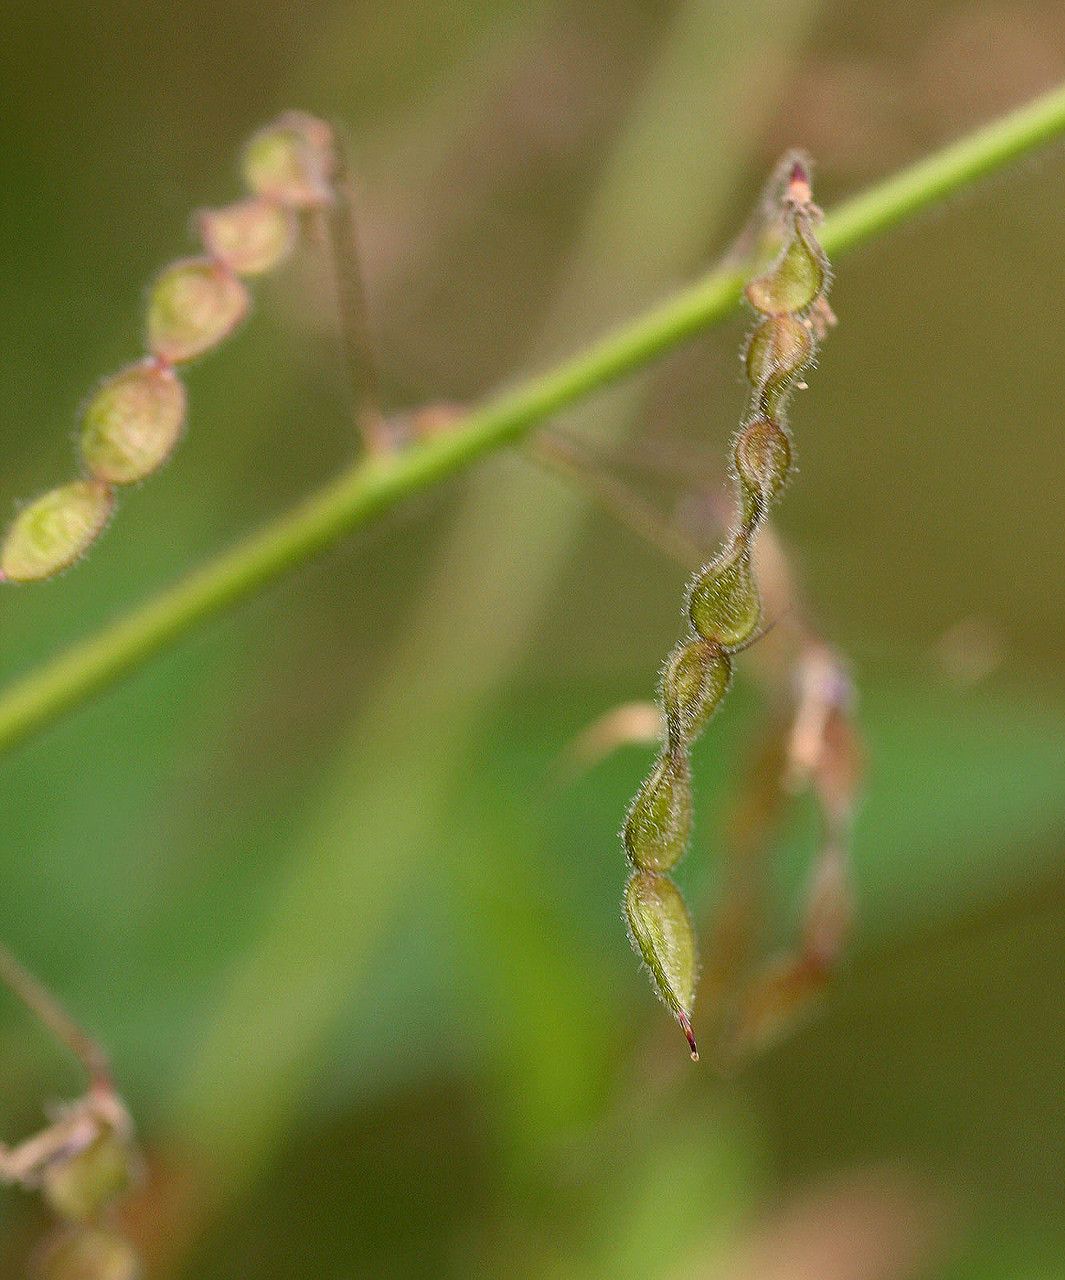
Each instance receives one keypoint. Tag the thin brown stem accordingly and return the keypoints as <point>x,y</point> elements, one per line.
<point>336,228</point>
<point>570,461</point>
<point>47,1009</point>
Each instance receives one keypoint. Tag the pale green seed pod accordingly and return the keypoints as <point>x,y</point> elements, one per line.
<point>659,824</point>
<point>763,462</point>
<point>793,282</point>
<point>777,350</point>
<point>133,422</point>
<point>251,236</point>
<point>696,677</point>
<point>292,161</point>
<point>662,933</point>
<point>54,530</point>
<point>81,1187</point>
<point>89,1253</point>
<point>193,305</point>
<point>723,602</point>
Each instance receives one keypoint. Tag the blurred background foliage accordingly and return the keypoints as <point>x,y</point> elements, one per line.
<point>314,878</point>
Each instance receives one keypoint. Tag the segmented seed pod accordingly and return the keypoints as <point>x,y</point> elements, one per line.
<point>696,678</point>
<point>662,933</point>
<point>132,423</point>
<point>762,461</point>
<point>135,418</point>
<point>80,1187</point>
<point>779,348</point>
<point>55,529</point>
<point>89,1253</point>
<point>796,279</point>
<point>723,604</point>
<point>250,237</point>
<point>193,305</point>
<point>292,161</point>
<point>659,824</point>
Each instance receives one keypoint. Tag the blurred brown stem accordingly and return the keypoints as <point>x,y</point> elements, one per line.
<point>47,1009</point>
<point>573,463</point>
<point>336,228</point>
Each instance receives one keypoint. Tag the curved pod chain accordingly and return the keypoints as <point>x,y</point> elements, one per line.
<point>134,419</point>
<point>723,604</point>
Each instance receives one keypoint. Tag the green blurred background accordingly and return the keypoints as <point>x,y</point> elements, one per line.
<point>313,876</point>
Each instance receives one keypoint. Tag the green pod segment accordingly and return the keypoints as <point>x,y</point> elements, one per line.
<point>659,824</point>
<point>762,457</point>
<point>193,305</point>
<point>794,280</point>
<point>89,1253</point>
<point>662,934</point>
<point>292,161</point>
<point>777,351</point>
<point>251,236</point>
<point>696,678</point>
<point>723,602</point>
<point>82,1186</point>
<point>133,422</point>
<point>56,529</point>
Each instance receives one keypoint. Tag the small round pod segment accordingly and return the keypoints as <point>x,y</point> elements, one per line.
<point>88,1253</point>
<point>659,824</point>
<point>696,677</point>
<point>132,423</point>
<point>794,280</point>
<point>778,349</point>
<point>251,237</point>
<point>80,1187</point>
<point>194,304</point>
<point>54,530</point>
<point>292,161</point>
<point>662,934</point>
<point>723,601</point>
<point>762,456</point>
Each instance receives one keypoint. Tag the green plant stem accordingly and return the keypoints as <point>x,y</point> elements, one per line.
<point>374,485</point>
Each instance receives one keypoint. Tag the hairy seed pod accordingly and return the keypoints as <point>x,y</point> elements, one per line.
<point>292,161</point>
<point>763,461</point>
<point>724,609</point>
<point>133,422</point>
<point>662,933</point>
<point>89,1253</point>
<point>251,236</point>
<point>81,1187</point>
<point>724,605</point>
<point>660,821</point>
<point>696,677</point>
<point>794,281</point>
<point>777,350</point>
<point>193,305</point>
<point>54,530</point>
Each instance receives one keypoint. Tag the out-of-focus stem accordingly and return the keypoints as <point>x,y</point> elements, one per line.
<point>337,229</point>
<point>45,1007</point>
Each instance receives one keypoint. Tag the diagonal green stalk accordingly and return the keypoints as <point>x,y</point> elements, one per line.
<point>375,484</point>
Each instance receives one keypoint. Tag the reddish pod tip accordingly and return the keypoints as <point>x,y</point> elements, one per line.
<point>799,184</point>
<point>689,1035</point>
